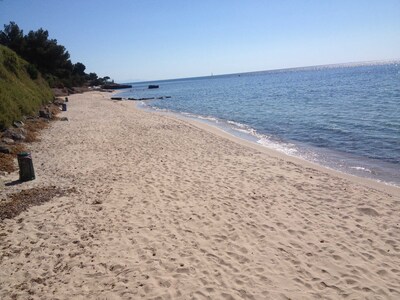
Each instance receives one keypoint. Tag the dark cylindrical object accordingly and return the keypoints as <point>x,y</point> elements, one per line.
<point>26,171</point>
<point>66,99</point>
<point>64,107</point>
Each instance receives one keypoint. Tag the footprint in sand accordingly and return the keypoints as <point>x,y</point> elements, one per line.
<point>368,211</point>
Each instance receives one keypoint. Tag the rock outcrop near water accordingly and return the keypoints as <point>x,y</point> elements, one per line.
<point>116,86</point>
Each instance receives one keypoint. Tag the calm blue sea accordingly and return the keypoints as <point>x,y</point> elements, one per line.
<point>344,117</point>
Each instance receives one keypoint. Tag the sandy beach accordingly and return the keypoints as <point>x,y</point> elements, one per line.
<point>169,209</point>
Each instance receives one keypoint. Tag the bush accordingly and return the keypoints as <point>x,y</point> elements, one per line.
<point>10,61</point>
<point>32,71</point>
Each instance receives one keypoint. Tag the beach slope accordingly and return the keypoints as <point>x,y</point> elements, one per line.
<point>163,209</point>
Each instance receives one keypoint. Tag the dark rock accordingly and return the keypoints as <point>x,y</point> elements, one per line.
<point>116,86</point>
<point>149,98</point>
<point>5,149</point>
<point>64,119</point>
<point>17,134</point>
<point>21,131</point>
<point>153,86</point>
<point>116,98</point>
<point>7,141</point>
<point>18,124</point>
<point>45,114</point>
<point>58,102</point>
<point>18,137</point>
<point>60,92</point>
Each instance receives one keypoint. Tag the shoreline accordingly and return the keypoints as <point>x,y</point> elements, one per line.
<point>368,182</point>
<point>150,206</point>
<point>329,127</point>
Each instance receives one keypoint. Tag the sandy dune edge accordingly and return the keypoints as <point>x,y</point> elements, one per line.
<point>166,210</point>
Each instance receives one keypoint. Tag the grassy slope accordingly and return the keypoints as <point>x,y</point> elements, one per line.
<point>19,94</point>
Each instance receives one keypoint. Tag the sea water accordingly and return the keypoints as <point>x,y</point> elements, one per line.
<point>345,117</point>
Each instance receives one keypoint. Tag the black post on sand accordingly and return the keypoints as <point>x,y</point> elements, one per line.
<point>26,171</point>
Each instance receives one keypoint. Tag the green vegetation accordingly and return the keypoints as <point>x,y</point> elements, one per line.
<point>22,88</point>
<point>31,64</point>
<point>48,57</point>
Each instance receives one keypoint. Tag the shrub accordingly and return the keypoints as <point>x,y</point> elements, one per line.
<point>32,71</point>
<point>10,61</point>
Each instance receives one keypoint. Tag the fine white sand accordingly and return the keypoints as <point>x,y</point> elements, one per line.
<point>168,210</point>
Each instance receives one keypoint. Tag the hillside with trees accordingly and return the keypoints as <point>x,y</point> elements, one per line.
<point>30,65</point>
<point>46,56</point>
<point>22,88</point>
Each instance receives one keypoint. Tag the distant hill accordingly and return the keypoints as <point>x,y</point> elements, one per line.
<point>22,88</point>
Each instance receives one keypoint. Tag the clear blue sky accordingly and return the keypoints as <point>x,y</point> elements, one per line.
<point>146,40</point>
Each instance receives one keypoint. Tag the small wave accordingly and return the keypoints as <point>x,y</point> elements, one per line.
<point>251,133</point>
<point>288,149</point>
<point>361,169</point>
<point>245,129</point>
<point>262,139</point>
<point>237,124</point>
<point>186,114</point>
<point>208,118</point>
<point>146,105</point>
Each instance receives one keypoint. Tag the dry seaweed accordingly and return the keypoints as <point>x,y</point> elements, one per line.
<point>22,200</point>
<point>7,160</point>
<point>7,163</point>
<point>33,127</point>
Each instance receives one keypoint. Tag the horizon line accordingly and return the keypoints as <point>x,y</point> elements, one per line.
<point>354,63</point>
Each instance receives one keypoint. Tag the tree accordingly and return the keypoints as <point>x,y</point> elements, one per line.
<point>47,56</point>
<point>92,76</point>
<point>45,53</point>
<point>79,69</point>
<point>12,37</point>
